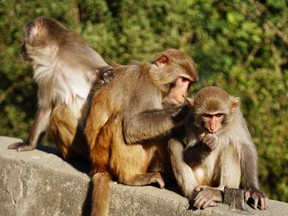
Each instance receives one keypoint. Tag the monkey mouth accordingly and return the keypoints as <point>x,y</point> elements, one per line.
<point>178,101</point>
<point>175,102</point>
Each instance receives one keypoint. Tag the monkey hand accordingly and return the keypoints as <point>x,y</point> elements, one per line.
<point>206,197</point>
<point>180,115</point>
<point>22,146</point>
<point>258,197</point>
<point>106,75</point>
<point>211,140</point>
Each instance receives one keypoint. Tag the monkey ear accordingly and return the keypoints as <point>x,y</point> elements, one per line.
<point>235,102</point>
<point>190,102</point>
<point>38,27</point>
<point>162,60</point>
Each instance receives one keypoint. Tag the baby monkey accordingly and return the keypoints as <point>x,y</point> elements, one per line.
<point>219,151</point>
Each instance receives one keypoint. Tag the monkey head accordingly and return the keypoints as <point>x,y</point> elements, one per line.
<point>175,73</point>
<point>38,34</point>
<point>213,108</point>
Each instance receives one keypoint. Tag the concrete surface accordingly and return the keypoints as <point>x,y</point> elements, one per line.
<point>41,183</point>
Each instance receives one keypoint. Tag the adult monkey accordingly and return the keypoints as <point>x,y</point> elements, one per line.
<point>127,123</point>
<point>64,68</point>
<point>219,151</point>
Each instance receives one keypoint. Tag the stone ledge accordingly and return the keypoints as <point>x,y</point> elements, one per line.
<point>39,182</point>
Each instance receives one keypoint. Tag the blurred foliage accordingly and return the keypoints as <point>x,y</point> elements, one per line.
<point>238,45</point>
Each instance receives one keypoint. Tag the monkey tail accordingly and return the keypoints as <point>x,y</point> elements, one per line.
<point>100,194</point>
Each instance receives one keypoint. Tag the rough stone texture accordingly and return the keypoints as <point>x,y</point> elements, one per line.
<point>41,183</point>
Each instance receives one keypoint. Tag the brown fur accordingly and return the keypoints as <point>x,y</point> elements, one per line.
<point>127,122</point>
<point>100,194</point>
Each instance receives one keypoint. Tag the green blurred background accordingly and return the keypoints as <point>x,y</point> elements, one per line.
<point>238,45</point>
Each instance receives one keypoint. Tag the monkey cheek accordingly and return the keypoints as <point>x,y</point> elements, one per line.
<point>180,99</point>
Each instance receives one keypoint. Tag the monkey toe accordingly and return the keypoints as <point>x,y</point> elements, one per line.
<point>14,146</point>
<point>21,147</point>
<point>159,181</point>
<point>25,148</point>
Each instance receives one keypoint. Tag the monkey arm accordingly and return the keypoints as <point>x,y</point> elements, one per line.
<point>152,124</point>
<point>37,131</point>
<point>182,171</point>
<point>249,165</point>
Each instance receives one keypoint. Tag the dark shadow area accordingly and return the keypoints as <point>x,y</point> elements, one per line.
<point>79,163</point>
<point>47,149</point>
<point>87,205</point>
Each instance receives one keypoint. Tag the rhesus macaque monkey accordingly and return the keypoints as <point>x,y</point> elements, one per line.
<point>127,122</point>
<point>65,68</point>
<point>219,151</point>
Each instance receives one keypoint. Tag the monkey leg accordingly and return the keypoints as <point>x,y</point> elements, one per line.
<point>182,171</point>
<point>145,179</point>
<point>131,164</point>
<point>230,168</point>
<point>66,133</point>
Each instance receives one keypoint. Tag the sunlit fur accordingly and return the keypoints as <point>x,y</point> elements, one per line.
<point>127,124</point>
<point>64,68</point>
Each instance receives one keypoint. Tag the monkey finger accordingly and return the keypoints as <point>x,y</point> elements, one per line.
<point>264,203</point>
<point>25,148</point>
<point>158,180</point>
<point>256,199</point>
<point>199,188</point>
<point>247,195</point>
<point>210,140</point>
<point>198,203</point>
<point>213,204</point>
<point>161,184</point>
<point>199,196</point>
<point>201,137</point>
<point>15,145</point>
<point>213,145</point>
<point>209,203</point>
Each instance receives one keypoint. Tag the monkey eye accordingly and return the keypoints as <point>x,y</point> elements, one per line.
<point>185,79</point>
<point>207,116</point>
<point>219,115</point>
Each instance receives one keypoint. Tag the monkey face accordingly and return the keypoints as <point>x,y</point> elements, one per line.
<point>213,122</point>
<point>178,91</point>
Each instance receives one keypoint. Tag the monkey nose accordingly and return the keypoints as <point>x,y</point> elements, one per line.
<point>211,130</point>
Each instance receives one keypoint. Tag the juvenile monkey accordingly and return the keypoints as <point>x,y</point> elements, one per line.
<point>64,68</point>
<point>127,123</point>
<point>219,151</point>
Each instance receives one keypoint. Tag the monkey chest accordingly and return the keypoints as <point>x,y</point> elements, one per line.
<point>66,84</point>
<point>205,172</point>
